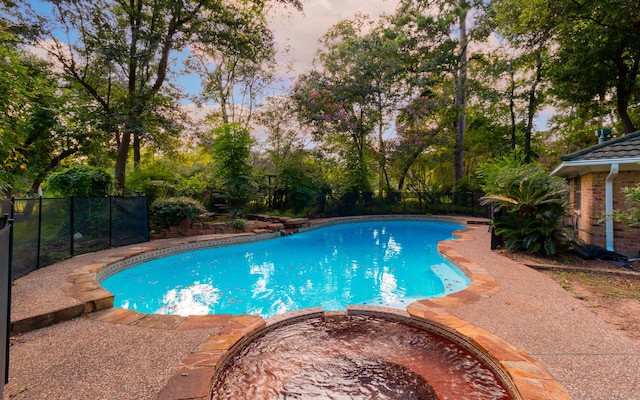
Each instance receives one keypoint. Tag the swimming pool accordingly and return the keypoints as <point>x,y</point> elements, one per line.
<point>386,262</point>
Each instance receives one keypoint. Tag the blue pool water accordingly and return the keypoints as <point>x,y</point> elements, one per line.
<point>388,263</point>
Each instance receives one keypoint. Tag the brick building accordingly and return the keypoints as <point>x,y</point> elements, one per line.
<point>596,176</point>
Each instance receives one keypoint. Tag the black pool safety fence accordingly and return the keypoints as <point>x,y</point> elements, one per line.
<point>5,298</point>
<point>390,202</point>
<point>46,231</point>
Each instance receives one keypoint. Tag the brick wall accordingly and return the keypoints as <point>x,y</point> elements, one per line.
<point>626,238</point>
<point>592,210</point>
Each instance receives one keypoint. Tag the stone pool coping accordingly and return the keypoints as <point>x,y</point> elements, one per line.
<point>193,378</point>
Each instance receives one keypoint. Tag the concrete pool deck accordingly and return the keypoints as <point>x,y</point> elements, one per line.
<point>142,357</point>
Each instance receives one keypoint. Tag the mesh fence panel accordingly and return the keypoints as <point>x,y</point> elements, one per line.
<point>5,207</point>
<point>50,230</point>
<point>405,202</point>
<point>25,236</point>
<point>91,224</point>
<point>130,220</point>
<point>55,228</point>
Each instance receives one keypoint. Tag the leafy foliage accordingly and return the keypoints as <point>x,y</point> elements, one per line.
<point>79,181</point>
<point>300,187</point>
<point>239,223</point>
<point>121,55</point>
<point>355,91</point>
<point>174,210</point>
<point>156,180</point>
<point>237,193</point>
<point>630,216</point>
<point>530,205</point>
<point>40,120</point>
<point>231,152</point>
<point>594,48</point>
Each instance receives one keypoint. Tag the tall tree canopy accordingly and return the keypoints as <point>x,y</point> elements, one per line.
<point>350,93</point>
<point>41,122</point>
<point>123,54</point>
<point>594,45</point>
<point>438,39</point>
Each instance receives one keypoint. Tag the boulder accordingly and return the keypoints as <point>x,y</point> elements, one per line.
<point>296,222</point>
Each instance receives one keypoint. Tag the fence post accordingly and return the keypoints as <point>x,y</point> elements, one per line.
<point>71,222</point>
<point>39,230</point>
<point>473,205</point>
<point>110,221</point>
<point>5,279</point>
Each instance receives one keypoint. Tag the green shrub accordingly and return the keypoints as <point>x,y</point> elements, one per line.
<point>300,185</point>
<point>79,181</point>
<point>237,194</point>
<point>631,215</point>
<point>174,210</point>
<point>239,223</point>
<point>530,206</point>
<point>156,180</point>
<point>156,189</point>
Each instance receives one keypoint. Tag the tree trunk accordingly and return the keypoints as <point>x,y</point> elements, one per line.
<point>531,109</point>
<point>136,151</point>
<point>625,87</point>
<point>121,160</point>
<point>512,107</point>
<point>628,125</point>
<point>54,162</point>
<point>405,170</point>
<point>383,155</point>
<point>461,101</point>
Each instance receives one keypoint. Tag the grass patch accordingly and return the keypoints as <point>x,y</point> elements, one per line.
<point>617,287</point>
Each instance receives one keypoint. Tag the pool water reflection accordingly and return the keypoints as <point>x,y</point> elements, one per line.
<point>387,263</point>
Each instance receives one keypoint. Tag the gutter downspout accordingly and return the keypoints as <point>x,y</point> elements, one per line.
<point>608,190</point>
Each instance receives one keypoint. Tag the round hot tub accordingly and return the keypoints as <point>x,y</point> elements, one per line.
<point>366,355</point>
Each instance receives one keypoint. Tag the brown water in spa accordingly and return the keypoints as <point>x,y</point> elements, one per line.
<point>356,358</point>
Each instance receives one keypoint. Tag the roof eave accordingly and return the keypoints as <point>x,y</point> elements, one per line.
<point>587,165</point>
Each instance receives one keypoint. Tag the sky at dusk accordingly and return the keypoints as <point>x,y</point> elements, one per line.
<point>300,31</point>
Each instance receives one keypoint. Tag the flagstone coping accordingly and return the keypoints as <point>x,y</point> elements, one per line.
<point>194,377</point>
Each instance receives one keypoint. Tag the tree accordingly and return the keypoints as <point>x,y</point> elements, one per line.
<point>15,104</point>
<point>233,80</point>
<point>80,180</point>
<point>284,144</point>
<point>41,122</point>
<point>379,61</point>
<point>120,52</point>
<point>353,91</point>
<point>300,183</point>
<point>285,136</point>
<point>438,41</point>
<point>231,150</point>
<point>417,128</point>
<point>594,47</point>
<point>340,123</point>
<point>511,91</point>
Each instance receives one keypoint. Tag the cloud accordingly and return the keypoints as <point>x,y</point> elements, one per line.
<point>301,32</point>
<point>198,119</point>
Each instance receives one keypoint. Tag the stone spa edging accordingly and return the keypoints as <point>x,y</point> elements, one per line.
<point>194,377</point>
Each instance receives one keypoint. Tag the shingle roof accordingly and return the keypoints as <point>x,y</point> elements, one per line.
<point>627,146</point>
